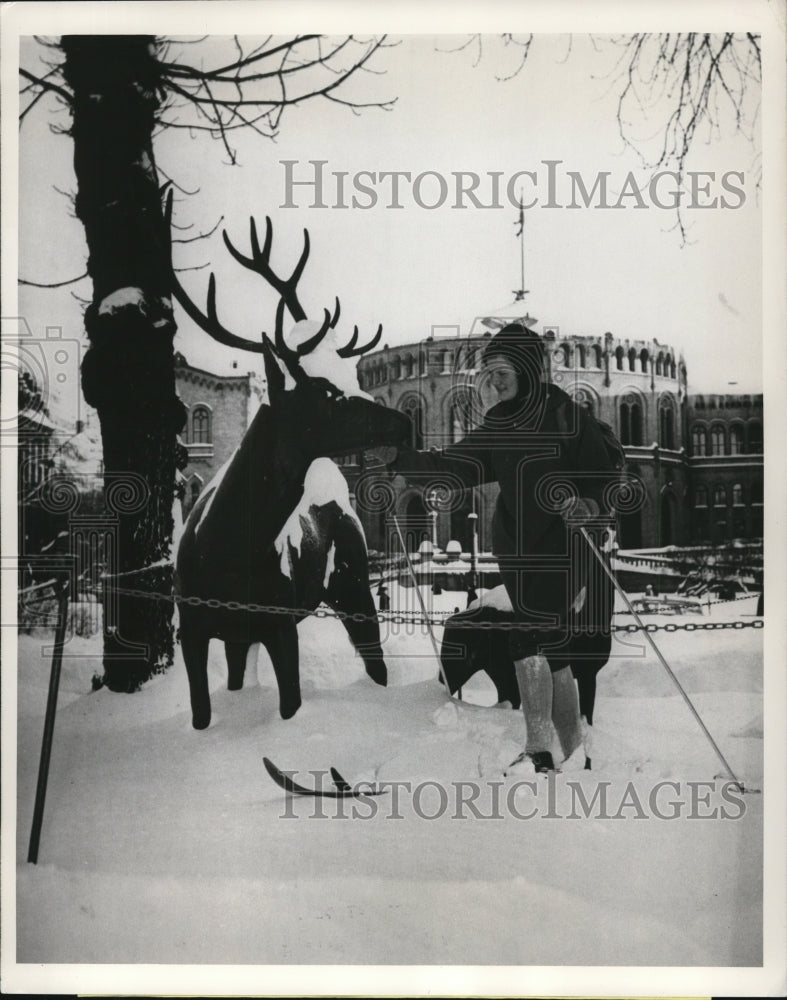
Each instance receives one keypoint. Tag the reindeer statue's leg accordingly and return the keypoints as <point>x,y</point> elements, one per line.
<point>194,645</point>
<point>349,592</point>
<point>236,653</point>
<point>281,641</point>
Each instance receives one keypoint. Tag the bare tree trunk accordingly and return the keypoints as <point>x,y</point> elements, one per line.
<point>128,370</point>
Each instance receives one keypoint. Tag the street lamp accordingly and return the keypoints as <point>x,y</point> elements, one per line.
<point>433,514</point>
<point>472,517</point>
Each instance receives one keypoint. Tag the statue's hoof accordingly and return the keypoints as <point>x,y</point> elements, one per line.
<point>379,674</point>
<point>287,711</point>
<point>200,720</point>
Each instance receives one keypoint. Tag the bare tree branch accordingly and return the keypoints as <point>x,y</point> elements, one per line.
<point>52,284</point>
<point>46,84</point>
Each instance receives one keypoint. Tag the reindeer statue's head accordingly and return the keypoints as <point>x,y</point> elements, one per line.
<point>275,527</point>
<point>312,386</point>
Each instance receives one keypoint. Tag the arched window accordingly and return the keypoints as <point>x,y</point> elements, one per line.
<point>193,490</point>
<point>632,360</point>
<point>755,437</point>
<point>459,416</point>
<point>719,496</point>
<point>667,425</point>
<point>413,407</point>
<point>643,359</point>
<point>581,355</point>
<point>717,437</point>
<point>408,366</point>
<point>699,403</point>
<point>699,440</point>
<point>619,358</point>
<point>630,420</point>
<point>598,354</point>
<point>200,425</point>
<point>396,367</point>
<point>701,497</point>
<point>660,364</point>
<point>737,495</point>
<point>736,439</point>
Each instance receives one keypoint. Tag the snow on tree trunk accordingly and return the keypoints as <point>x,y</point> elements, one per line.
<point>128,371</point>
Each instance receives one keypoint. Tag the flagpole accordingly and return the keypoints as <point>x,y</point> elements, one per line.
<point>519,296</point>
<point>522,239</point>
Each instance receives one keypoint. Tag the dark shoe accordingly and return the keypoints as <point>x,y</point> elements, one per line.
<point>539,761</point>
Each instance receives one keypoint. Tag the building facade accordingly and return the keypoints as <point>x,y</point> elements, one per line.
<point>700,458</point>
<point>219,409</point>
<point>726,467</point>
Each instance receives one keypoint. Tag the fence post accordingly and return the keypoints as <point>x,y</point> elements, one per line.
<point>64,587</point>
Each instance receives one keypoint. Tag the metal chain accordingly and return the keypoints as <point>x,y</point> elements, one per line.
<point>399,618</point>
<point>162,565</point>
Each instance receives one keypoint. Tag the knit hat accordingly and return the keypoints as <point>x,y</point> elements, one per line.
<point>523,349</point>
<point>519,345</point>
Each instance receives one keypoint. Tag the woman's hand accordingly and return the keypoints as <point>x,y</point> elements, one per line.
<point>386,454</point>
<point>580,511</point>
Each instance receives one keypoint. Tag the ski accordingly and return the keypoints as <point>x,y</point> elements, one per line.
<point>342,790</point>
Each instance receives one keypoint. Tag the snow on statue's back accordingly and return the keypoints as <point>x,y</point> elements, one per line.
<point>275,529</point>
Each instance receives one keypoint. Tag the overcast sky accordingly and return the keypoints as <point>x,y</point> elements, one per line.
<point>589,270</point>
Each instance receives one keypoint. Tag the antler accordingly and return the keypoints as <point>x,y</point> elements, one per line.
<point>209,322</point>
<point>259,262</point>
<point>351,351</point>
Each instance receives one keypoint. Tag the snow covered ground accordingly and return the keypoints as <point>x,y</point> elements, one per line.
<point>165,845</point>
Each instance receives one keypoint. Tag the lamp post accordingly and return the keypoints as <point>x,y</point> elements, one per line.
<point>472,517</point>
<point>433,515</point>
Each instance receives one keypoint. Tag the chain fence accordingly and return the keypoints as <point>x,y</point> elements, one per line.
<point>435,618</point>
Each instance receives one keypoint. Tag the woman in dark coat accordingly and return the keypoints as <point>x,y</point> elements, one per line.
<point>548,456</point>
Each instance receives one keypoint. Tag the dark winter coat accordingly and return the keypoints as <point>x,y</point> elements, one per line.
<point>539,451</point>
<point>528,451</point>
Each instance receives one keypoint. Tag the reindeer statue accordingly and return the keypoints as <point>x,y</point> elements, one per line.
<point>275,526</point>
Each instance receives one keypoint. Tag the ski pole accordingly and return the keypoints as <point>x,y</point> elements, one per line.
<point>49,721</point>
<point>423,606</point>
<point>663,662</point>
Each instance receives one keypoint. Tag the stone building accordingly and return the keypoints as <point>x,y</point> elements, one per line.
<point>219,409</point>
<point>726,467</point>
